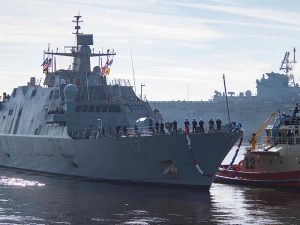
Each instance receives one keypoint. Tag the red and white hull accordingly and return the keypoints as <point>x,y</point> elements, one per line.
<point>286,179</point>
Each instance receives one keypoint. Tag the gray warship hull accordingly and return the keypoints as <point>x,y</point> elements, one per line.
<point>123,159</point>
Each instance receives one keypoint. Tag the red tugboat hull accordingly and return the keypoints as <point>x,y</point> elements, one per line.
<point>288,179</point>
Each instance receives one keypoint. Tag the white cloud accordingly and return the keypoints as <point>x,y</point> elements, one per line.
<point>172,47</point>
<point>266,14</point>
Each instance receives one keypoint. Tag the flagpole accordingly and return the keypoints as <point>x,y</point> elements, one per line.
<point>133,72</point>
<point>52,62</point>
<point>43,60</point>
<point>99,60</point>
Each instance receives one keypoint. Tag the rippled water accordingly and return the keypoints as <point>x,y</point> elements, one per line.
<point>38,199</point>
<point>33,199</point>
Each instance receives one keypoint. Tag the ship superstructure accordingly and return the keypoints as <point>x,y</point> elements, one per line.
<point>81,124</point>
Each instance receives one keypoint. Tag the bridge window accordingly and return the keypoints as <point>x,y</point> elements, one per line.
<point>134,109</point>
<point>98,108</point>
<point>51,94</point>
<point>104,108</point>
<point>78,108</point>
<point>128,108</point>
<point>10,112</point>
<point>92,108</point>
<point>56,94</point>
<point>114,108</point>
<point>85,108</point>
<point>33,93</point>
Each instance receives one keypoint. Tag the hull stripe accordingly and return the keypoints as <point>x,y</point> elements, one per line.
<point>236,152</point>
<point>189,142</point>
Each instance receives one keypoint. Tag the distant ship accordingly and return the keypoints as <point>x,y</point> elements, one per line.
<point>274,91</point>
<point>275,162</point>
<point>80,124</point>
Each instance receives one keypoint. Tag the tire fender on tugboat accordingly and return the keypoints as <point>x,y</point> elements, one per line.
<point>240,165</point>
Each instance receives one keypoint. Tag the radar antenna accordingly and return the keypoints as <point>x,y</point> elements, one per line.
<point>77,28</point>
<point>287,67</point>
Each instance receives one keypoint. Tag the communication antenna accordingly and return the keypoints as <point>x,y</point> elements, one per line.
<point>142,85</point>
<point>77,28</point>
<point>133,72</point>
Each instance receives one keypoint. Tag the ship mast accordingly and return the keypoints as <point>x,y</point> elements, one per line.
<point>287,67</point>
<point>77,28</point>
<point>81,52</point>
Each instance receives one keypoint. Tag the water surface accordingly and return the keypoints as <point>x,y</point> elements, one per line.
<point>38,199</point>
<point>29,198</point>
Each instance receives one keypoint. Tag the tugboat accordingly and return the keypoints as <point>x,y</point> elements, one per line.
<point>275,162</point>
<point>83,125</point>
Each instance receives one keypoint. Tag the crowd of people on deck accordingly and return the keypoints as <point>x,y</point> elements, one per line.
<point>172,127</point>
<point>157,128</point>
<point>201,127</point>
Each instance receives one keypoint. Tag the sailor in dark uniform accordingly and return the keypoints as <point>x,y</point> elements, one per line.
<point>124,130</point>
<point>219,124</point>
<point>156,127</point>
<point>136,130</point>
<point>174,126</point>
<point>187,126</point>
<point>194,123</point>
<point>211,124</point>
<point>201,126</point>
<point>161,125</point>
<point>296,110</point>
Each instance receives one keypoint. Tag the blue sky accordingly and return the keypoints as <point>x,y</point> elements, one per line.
<point>180,48</point>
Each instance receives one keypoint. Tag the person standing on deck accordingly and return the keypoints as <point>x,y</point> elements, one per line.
<point>174,126</point>
<point>219,124</point>
<point>194,123</point>
<point>161,125</point>
<point>211,124</point>
<point>201,126</point>
<point>156,127</point>
<point>187,126</point>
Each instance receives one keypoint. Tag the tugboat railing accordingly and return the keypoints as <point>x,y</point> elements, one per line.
<point>278,140</point>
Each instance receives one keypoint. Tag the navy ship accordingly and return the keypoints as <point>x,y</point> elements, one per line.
<point>274,91</point>
<point>81,124</point>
